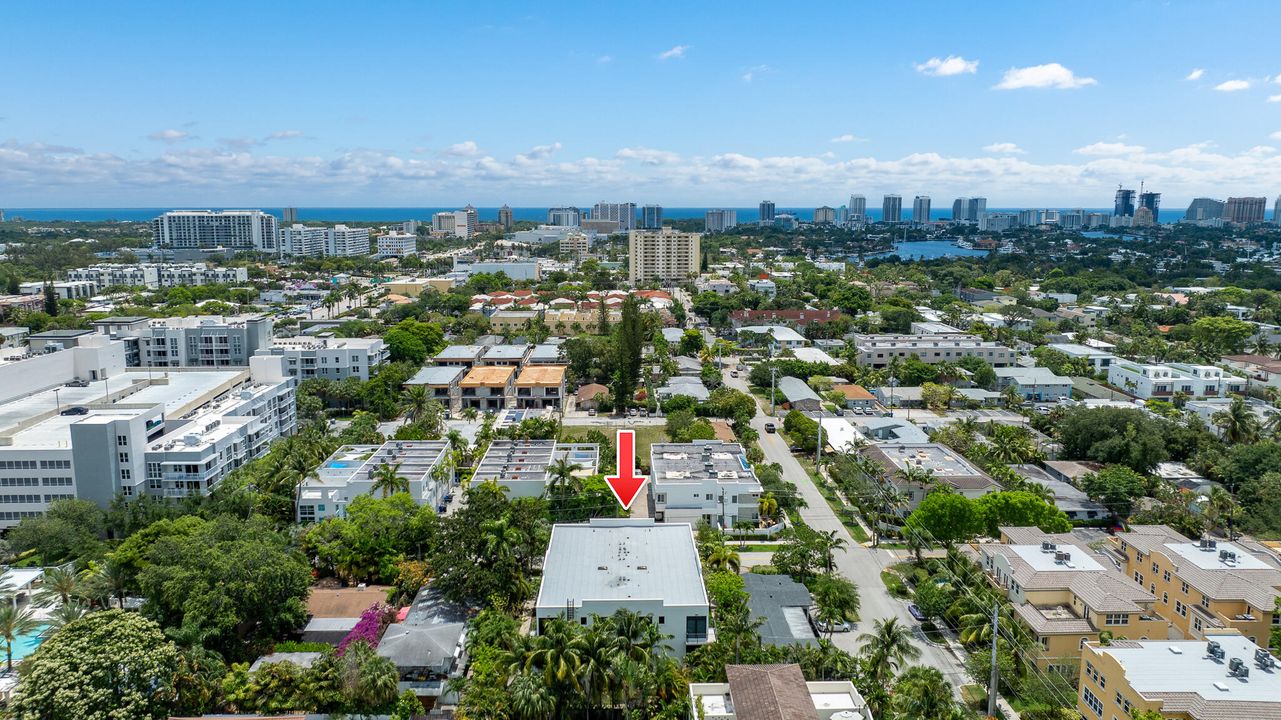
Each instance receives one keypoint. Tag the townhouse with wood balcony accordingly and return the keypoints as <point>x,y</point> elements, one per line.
<point>488,387</point>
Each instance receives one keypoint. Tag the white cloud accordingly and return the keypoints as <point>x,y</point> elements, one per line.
<point>170,136</point>
<point>286,135</point>
<point>848,138</point>
<point>1004,147</point>
<point>34,174</point>
<point>1276,135</point>
<point>605,59</point>
<point>1233,86</point>
<point>1260,151</point>
<point>467,148</point>
<point>676,53</point>
<point>1195,74</point>
<point>756,71</point>
<point>1050,75</point>
<point>1109,149</point>
<point>648,156</point>
<point>950,65</point>
<point>1274,98</point>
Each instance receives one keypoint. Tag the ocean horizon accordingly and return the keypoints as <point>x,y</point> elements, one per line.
<point>423,214</point>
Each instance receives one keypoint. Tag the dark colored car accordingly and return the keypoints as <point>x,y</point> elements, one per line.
<point>771,427</point>
<point>915,612</point>
<point>78,410</point>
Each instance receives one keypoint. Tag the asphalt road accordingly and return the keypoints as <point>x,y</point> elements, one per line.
<point>857,563</point>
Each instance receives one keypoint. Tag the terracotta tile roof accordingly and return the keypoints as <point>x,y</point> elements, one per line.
<point>590,391</point>
<point>343,602</point>
<point>854,392</point>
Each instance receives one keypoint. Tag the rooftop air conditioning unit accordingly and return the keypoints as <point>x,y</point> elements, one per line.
<point>1237,668</point>
<point>1048,547</point>
<point>1263,659</point>
<point>1208,545</point>
<point>1062,557</point>
<point>1214,649</point>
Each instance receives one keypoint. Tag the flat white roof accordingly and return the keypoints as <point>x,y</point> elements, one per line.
<point>1153,667</point>
<point>620,560</point>
<point>1044,561</point>
<point>1209,560</point>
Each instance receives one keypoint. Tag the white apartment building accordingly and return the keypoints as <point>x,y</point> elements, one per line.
<point>302,241</point>
<point>64,290</point>
<point>520,467</point>
<point>878,350</point>
<point>1098,359</point>
<point>196,341</point>
<point>129,432</point>
<point>397,244</point>
<point>1163,381</point>
<point>235,230</point>
<point>666,256</point>
<point>453,224</point>
<point>329,358</point>
<point>343,241</point>
<point>352,471</point>
<point>596,568</point>
<point>705,480</point>
<point>158,275</point>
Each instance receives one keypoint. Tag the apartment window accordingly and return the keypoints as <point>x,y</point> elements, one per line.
<point>1276,619</point>
<point>123,458</point>
<point>1205,601</point>
<point>660,497</point>
<point>125,474</point>
<point>1155,567</point>
<point>1092,702</point>
<point>122,440</point>
<point>1165,598</point>
<point>1138,577</point>
<point>1196,624</point>
<point>1166,576</point>
<point>1184,588</point>
<point>1117,619</point>
<point>1180,608</point>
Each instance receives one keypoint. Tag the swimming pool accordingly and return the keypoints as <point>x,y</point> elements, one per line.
<point>26,644</point>
<point>339,464</point>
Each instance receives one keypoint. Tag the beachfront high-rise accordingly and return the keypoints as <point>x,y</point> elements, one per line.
<point>921,209</point>
<point>891,208</point>
<point>505,217</point>
<point>564,216</point>
<point>975,209</point>
<point>960,209</point>
<point>824,215</point>
<point>767,212</point>
<point>718,219</point>
<point>666,256</point>
<point>1151,201</point>
<point>234,230</point>
<point>1124,205</point>
<point>1245,210</point>
<point>858,208</point>
<point>651,217</point>
<point>622,213</point>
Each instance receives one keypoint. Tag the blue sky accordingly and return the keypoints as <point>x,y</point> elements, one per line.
<point>684,104</point>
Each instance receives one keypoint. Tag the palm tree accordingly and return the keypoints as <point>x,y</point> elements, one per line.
<point>596,667</point>
<point>921,692</point>
<point>559,653</point>
<point>889,646</point>
<point>561,474</point>
<point>1222,509</point>
<point>1237,423</point>
<point>767,506</point>
<point>469,414</point>
<point>58,587</point>
<point>723,557</point>
<point>1262,346</point>
<point>530,698</point>
<point>64,615</point>
<point>830,541</point>
<point>14,623</point>
<point>1011,397</point>
<point>414,401</point>
<point>388,480</point>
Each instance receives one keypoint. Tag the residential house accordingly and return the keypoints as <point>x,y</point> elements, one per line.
<point>443,383</point>
<point>902,461</point>
<point>775,692</point>
<point>428,646</point>
<point>856,397</point>
<point>799,395</point>
<point>1034,383</point>
<point>541,386</point>
<point>522,467</point>
<point>488,387</point>
<point>781,605</point>
<point>424,467</point>
<point>706,480</point>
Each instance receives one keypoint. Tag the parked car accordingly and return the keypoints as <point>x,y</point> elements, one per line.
<point>591,413</point>
<point>915,612</point>
<point>822,626</point>
<point>794,448</point>
<point>733,373</point>
<point>77,383</point>
<point>771,427</point>
<point>840,412</point>
<point>77,410</point>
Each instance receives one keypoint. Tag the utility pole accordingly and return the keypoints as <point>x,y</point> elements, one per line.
<point>773,373</point>
<point>991,690</point>
<point>818,451</point>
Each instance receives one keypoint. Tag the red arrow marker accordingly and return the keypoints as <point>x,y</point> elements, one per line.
<point>626,485</point>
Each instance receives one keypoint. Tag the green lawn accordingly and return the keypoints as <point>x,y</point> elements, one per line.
<point>646,435</point>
